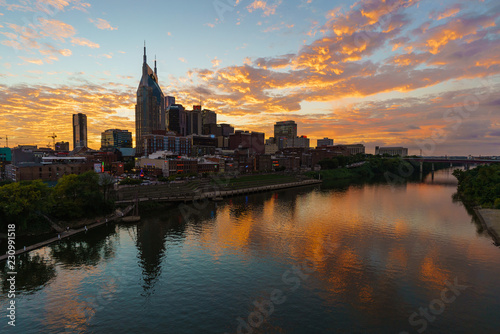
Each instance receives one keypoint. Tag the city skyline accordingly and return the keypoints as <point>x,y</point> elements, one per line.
<point>397,73</point>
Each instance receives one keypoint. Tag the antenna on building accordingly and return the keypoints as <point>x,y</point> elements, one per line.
<point>144,51</point>
<point>156,75</point>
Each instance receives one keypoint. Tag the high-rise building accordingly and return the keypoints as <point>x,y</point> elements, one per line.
<point>286,129</point>
<point>194,124</point>
<point>150,107</point>
<point>114,138</point>
<point>176,115</point>
<point>209,117</point>
<point>79,130</point>
<point>302,141</point>
<point>324,142</point>
<point>169,100</point>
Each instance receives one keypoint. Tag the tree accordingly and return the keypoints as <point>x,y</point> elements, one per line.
<point>21,202</point>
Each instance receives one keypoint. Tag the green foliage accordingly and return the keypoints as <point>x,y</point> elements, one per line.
<point>374,166</point>
<point>22,202</point>
<point>130,182</point>
<point>341,161</point>
<point>77,196</point>
<point>496,205</point>
<point>4,182</point>
<point>480,186</point>
<point>26,203</point>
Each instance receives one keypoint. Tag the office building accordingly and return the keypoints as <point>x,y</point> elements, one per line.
<point>170,142</point>
<point>355,149</point>
<point>114,138</point>
<point>194,124</point>
<point>176,115</point>
<point>401,151</point>
<point>209,116</point>
<point>150,107</point>
<point>62,146</point>
<point>289,142</point>
<point>287,129</point>
<point>324,142</point>
<point>79,130</point>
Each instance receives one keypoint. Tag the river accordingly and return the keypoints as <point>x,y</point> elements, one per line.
<point>373,258</point>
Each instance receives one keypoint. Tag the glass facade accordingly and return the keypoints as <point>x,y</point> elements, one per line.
<point>79,130</point>
<point>150,107</point>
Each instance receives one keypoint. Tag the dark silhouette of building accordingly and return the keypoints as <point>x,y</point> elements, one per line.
<point>62,146</point>
<point>177,119</point>
<point>150,107</point>
<point>79,130</point>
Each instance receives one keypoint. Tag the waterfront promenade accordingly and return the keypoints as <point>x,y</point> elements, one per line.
<point>490,218</point>
<point>163,194</point>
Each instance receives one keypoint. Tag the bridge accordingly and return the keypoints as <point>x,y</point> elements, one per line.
<point>469,161</point>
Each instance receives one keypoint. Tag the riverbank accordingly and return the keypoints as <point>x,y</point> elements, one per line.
<point>490,219</point>
<point>73,231</point>
<point>213,192</point>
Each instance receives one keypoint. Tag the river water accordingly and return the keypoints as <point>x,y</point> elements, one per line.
<point>373,258</point>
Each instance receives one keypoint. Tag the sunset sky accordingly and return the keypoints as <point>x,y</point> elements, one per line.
<point>422,74</point>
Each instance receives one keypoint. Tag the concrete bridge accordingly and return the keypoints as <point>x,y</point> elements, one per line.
<point>453,160</point>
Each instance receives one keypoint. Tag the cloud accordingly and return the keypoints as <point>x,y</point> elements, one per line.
<point>449,12</point>
<point>266,8</point>
<point>40,109</point>
<point>32,60</point>
<point>355,57</point>
<point>460,28</point>
<point>84,42</point>
<point>216,62</point>
<point>102,24</point>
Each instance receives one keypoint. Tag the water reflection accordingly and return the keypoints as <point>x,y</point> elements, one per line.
<point>379,253</point>
<point>34,272</point>
<point>88,249</point>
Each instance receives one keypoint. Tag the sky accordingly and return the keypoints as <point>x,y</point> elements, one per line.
<point>415,73</point>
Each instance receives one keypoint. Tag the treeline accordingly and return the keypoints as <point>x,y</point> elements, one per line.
<point>480,186</point>
<point>392,169</point>
<point>28,204</point>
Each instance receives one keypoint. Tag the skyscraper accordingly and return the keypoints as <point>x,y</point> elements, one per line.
<point>79,130</point>
<point>115,138</point>
<point>177,119</point>
<point>150,107</point>
<point>286,129</point>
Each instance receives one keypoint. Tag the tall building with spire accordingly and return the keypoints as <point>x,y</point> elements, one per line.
<point>150,107</point>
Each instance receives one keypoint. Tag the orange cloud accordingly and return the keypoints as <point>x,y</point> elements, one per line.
<point>55,29</point>
<point>32,60</point>
<point>449,12</point>
<point>435,38</point>
<point>84,42</point>
<point>102,24</point>
<point>267,9</point>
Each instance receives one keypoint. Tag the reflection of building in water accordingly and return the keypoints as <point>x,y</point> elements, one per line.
<point>151,247</point>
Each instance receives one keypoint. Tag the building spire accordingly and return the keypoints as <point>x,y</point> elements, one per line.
<point>156,74</point>
<point>144,51</point>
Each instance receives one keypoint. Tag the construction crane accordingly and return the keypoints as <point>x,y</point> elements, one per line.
<point>6,140</point>
<point>53,139</point>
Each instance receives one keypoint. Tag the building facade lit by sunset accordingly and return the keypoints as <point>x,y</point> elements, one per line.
<point>115,138</point>
<point>286,129</point>
<point>150,107</point>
